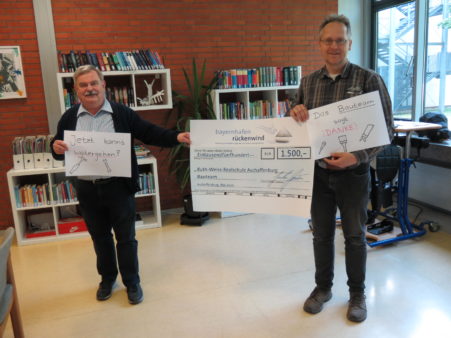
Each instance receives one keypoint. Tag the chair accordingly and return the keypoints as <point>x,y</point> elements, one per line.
<point>9,304</point>
<point>387,166</point>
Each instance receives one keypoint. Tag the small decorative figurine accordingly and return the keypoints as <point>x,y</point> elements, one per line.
<point>151,98</point>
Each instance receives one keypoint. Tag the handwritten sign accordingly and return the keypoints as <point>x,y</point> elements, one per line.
<point>262,166</point>
<point>97,154</point>
<point>349,125</point>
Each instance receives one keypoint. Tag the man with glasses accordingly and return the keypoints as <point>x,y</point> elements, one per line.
<point>341,181</point>
<point>109,203</point>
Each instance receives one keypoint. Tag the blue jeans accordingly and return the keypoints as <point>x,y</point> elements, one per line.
<point>348,190</point>
<point>106,207</point>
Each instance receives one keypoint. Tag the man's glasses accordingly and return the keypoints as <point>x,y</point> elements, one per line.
<point>329,42</point>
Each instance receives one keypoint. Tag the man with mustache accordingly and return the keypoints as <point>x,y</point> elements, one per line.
<point>108,203</point>
<point>341,181</point>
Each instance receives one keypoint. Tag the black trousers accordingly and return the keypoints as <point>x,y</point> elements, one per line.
<point>110,205</point>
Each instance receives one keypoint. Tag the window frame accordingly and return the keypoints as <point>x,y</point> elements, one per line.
<point>420,47</point>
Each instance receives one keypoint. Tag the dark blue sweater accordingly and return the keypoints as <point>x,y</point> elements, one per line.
<point>125,120</point>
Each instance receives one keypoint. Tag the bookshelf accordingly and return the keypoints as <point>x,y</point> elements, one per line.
<point>148,209</point>
<point>263,92</point>
<point>276,97</point>
<point>254,103</point>
<point>129,87</point>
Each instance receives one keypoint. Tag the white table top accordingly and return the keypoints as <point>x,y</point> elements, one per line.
<point>405,126</point>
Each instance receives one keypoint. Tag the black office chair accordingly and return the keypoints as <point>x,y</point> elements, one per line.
<point>382,187</point>
<point>8,293</point>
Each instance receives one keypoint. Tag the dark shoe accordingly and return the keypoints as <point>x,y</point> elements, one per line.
<point>135,294</point>
<point>357,307</point>
<point>105,290</point>
<point>314,303</point>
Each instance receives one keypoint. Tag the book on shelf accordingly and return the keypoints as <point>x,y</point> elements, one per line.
<point>123,95</point>
<point>141,151</point>
<point>146,184</point>
<point>138,59</point>
<point>258,77</point>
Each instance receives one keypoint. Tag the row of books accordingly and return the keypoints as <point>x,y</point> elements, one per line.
<point>122,95</point>
<point>283,107</point>
<point>261,109</point>
<point>146,184</point>
<point>138,59</point>
<point>31,152</point>
<point>257,109</point>
<point>35,195</point>
<point>258,77</point>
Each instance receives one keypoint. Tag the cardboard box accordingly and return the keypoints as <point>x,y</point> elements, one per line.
<point>71,225</point>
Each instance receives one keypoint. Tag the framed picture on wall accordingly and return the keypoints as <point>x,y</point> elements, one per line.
<point>12,83</point>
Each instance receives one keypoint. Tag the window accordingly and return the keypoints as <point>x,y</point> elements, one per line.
<point>395,37</point>
<point>416,84</point>
<point>438,58</point>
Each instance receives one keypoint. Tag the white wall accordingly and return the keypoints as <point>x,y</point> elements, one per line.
<point>354,10</point>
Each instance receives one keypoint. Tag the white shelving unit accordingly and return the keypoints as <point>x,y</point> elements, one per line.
<point>151,218</point>
<point>247,95</point>
<point>133,79</point>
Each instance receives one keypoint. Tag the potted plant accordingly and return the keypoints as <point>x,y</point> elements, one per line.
<point>197,105</point>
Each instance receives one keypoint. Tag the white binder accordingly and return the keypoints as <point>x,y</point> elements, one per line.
<point>28,152</point>
<point>18,153</point>
<point>48,158</point>
<point>38,154</point>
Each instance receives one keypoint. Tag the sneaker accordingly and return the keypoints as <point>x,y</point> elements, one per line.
<point>105,290</point>
<point>314,303</point>
<point>135,294</point>
<point>356,307</point>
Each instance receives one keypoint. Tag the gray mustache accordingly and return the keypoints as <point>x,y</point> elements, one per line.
<point>91,93</point>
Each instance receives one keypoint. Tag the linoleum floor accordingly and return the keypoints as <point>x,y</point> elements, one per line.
<point>244,276</point>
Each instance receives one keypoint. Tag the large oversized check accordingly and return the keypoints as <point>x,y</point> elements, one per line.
<point>262,166</point>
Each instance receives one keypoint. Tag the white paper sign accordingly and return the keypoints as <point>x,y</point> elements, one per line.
<point>97,154</point>
<point>349,125</point>
<point>262,166</point>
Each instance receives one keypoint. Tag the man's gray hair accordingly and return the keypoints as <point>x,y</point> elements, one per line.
<point>86,69</point>
<point>337,18</point>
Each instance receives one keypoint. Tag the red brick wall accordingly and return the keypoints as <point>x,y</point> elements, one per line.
<point>228,34</point>
<point>26,116</point>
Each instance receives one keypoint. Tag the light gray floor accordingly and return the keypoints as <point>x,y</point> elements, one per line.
<point>244,276</point>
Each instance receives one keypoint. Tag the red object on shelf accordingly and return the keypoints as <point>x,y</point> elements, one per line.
<point>71,225</point>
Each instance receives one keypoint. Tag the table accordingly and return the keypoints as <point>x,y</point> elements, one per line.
<point>408,229</point>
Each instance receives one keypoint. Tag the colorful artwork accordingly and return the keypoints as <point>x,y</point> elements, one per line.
<point>12,83</point>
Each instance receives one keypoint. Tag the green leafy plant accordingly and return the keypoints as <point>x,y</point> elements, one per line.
<point>197,105</point>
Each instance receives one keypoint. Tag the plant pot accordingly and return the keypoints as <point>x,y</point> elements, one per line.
<point>191,217</point>
<point>188,206</point>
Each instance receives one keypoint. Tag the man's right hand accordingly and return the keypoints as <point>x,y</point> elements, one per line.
<point>299,113</point>
<point>59,147</point>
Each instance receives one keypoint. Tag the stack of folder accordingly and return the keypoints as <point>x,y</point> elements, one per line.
<point>32,152</point>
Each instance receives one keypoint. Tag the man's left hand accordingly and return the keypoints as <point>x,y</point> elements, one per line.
<point>184,138</point>
<point>340,160</point>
